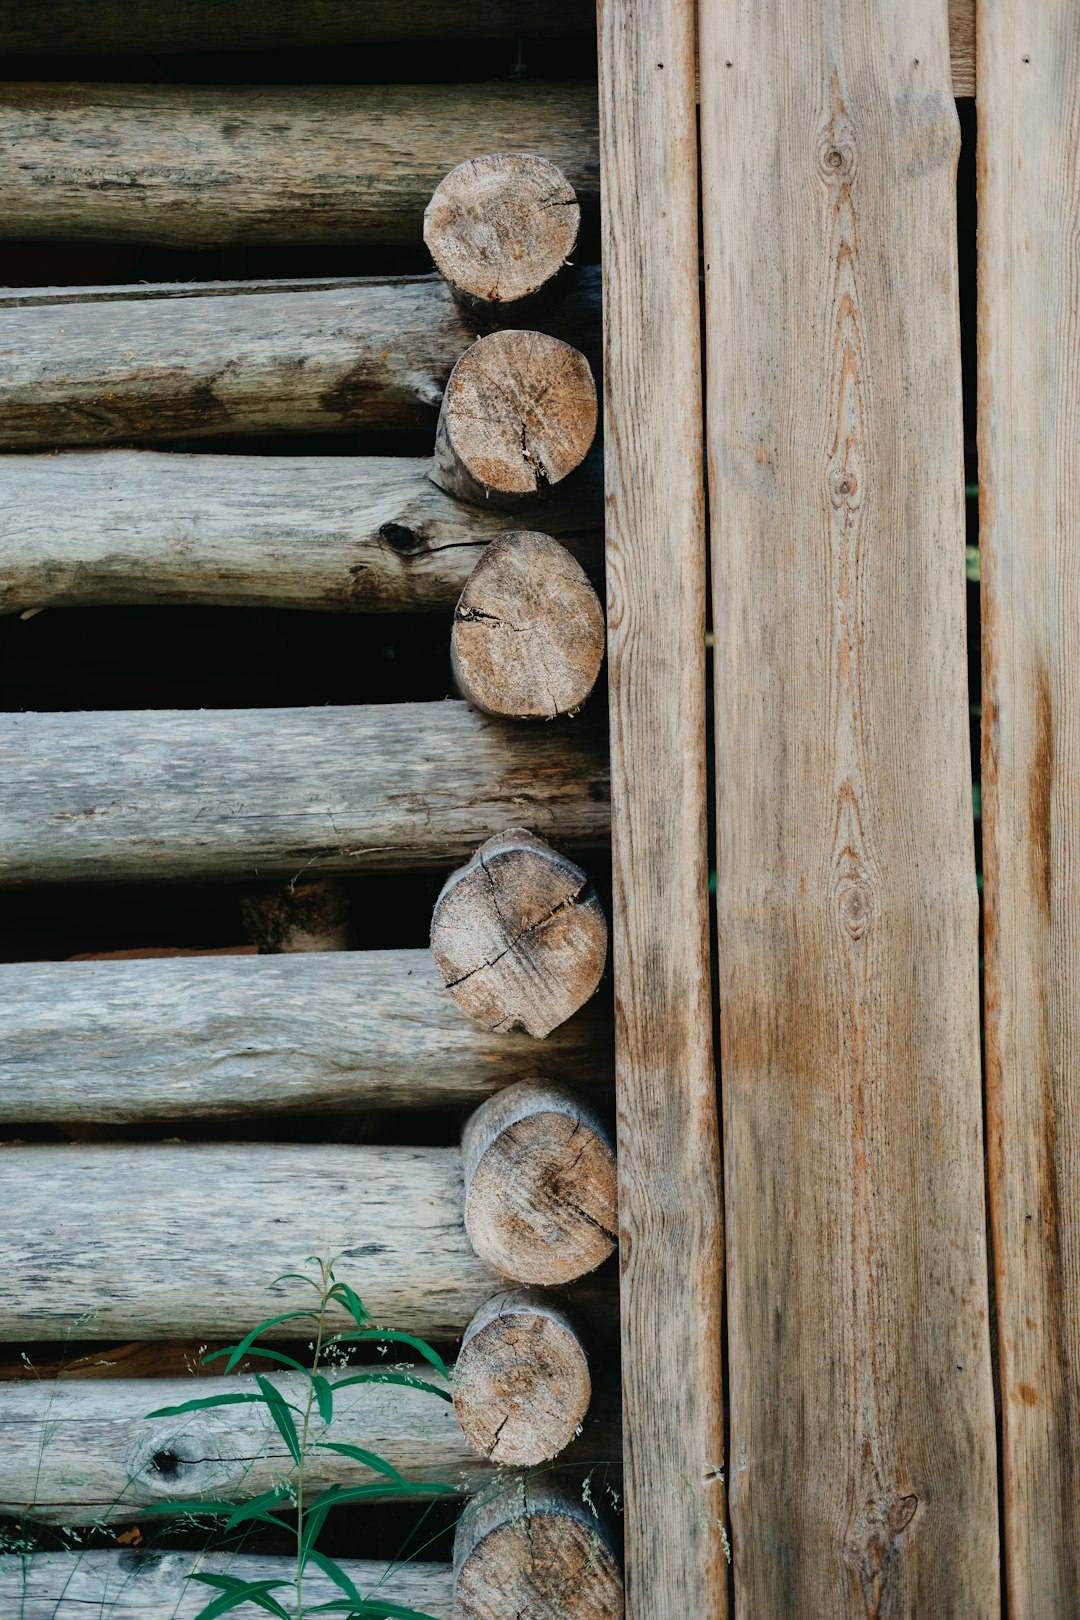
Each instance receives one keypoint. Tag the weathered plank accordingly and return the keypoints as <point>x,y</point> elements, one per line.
<point>365,533</point>
<point>669,1202</point>
<point>254,792</point>
<point>202,165</point>
<point>962,46</point>
<point>102,364</point>
<point>126,1585</point>
<point>1029,538</point>
<point>848,943</point>
<point>85,1451</point>
<point>190,1037</point>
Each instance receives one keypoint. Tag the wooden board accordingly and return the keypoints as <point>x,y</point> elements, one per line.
<point>1029,538</point>
<point>193,1038</point>
<point>203,165</point>
<point>254,792</point>
<point>863,1462</point>
<point>671,1237</point>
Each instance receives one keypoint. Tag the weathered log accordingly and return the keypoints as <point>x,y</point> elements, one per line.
<point>528,636</point>
<point>86,1451</point>
<point>198,166</point>
<point>534,1548</point>
<point>372,534</point>
<point>519,935</point>
<point>184,1038</point>
<point>125,1585</point>
<point>255,792</point>
<point>518,415</point>
<point>540,1184</point>
<point>521,1381</point>
<point>299,918</point>
<point>500,227</point>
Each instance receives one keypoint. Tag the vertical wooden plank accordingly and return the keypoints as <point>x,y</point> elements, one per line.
<point>863,1466</point>
<point>671,1239</point>
<point>1029,516</point>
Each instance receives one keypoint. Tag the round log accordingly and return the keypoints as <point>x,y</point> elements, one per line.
<point>528,636</point>
<point>536,1550</point>
<point>302,916</point>
<point>518,415</point>
<point>501,226</point>
<point>521,1383</point>
<point>519,935</point>
<point>540,1184</point>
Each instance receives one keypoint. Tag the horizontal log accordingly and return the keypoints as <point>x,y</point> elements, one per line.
<point>200,166</point>
<point>87,1451</point>
<point>535,1545</point>
<point>137,1585</point>
<point>93,366</point>
<point>370,534</point>
<point>255,792</point>
<point>207,25</point>
<point>187,1037</point>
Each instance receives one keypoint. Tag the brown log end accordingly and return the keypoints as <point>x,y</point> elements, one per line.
<point>521,1382</point>
<point>518,415</point>
<point>528,636</point>
<point>312,916</point>
<point>519,936</point>
<point>540,1184</point>
<point>534,1550</point>
<point>499,227</point>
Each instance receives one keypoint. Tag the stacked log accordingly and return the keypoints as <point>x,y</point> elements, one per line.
<point>535,1547</point>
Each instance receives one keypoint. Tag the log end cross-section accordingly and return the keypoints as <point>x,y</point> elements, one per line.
<point>519,935</point>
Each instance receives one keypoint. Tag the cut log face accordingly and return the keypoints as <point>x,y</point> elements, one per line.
<point>519,935</point>
<point>521,1383</point>
<point>540,1185</point>
<point>535,1551</point>
<point>312,916</point>
<point>518,415</point>
<point>499,227</point>
<point>528,637</point>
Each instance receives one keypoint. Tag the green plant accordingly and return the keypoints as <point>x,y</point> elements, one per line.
<point>295,1425</point>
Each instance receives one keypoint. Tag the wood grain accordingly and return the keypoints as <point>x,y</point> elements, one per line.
<point>1029,539</point>
<point>194,1038</point>
<point>862,1424</point>
<point>254,792</point>
<point>203,165</point>
<point>105,364</point>
<point>368,534</point>
<point>670,1220</point>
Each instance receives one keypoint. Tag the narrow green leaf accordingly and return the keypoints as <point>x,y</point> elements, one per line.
<point>324,1394</point>
<point>233,1583</point>
<point>297,1276</point>
<point>204,1405</point>
<point>389,1336</point>
<point>257,1592</point>
<point>386,1375</point>
<point>336,1574</point>
<point>277,1356</point>
<point>259,1507</point>
<point>370,1609</point>
<point>370,1459</point>
<point>239,1351</point>
<point>348,1297</point>
<point>281,1412</point>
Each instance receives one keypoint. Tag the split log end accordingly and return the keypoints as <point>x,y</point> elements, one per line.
<point>534,1548</point>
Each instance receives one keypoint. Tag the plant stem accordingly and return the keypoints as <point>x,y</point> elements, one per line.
<point>327,1285</point>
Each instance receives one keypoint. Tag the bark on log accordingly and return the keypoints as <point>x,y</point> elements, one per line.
<point>101,365</point>
<point>534,1549</point>
<point>528,636</point>
<point>367,534</point>
<point>199,166</point>
<point>125,1585</point>
<point>299,918</point>
<point>187,1038</point>
<point>207,25</point>
<point>540,1184</point>
<point>521,1381</point>
<point>518,415</point>
<point>500,227</point>
<point>172,793</point>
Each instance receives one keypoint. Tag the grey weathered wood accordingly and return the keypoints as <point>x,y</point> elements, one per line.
<point>540,1184</point>
<point>528,636</point>
<point>201,165</point>
<point>518,416</point>
<point>670,1213</point>
<point>531,1546</point>
<point>255,792</point>
<point>519,936</point>
<point>228,1036</point>
<point>98,365</point>
<point>123,1585</point>
<point>366,533</point>
<point>862,1438</point>
<point>85,1450</point>
<point>521,1379</point>
<point>1029,541</point>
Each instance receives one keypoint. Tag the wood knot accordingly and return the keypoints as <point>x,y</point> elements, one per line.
<point>855,910</point>
<point>901,1513</point>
